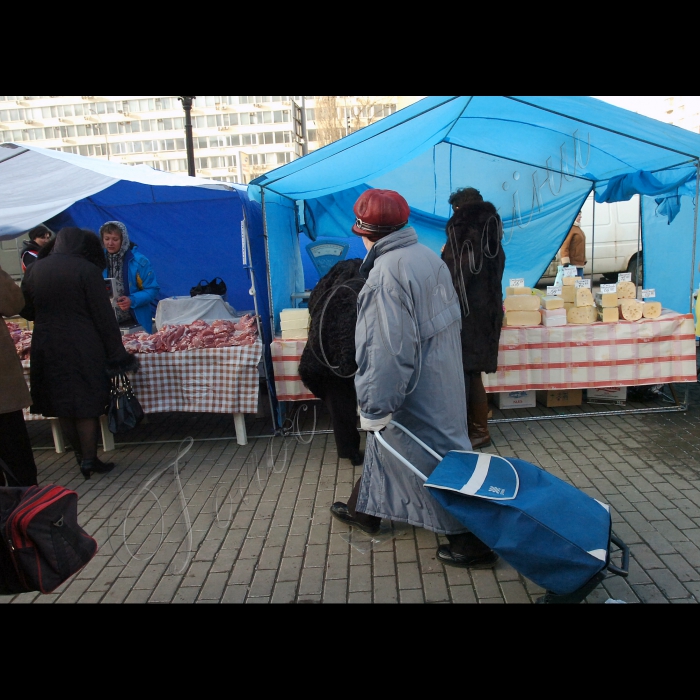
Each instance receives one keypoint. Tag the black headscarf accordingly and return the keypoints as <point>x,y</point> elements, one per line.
<point>76,241</point>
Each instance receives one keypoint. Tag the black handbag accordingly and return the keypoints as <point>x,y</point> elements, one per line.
<point>124,411</point>
<point>216,286</point>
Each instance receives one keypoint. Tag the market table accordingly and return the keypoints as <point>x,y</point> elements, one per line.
<point>206,380</point>
<point>286,354</point>
<point>626,353</point>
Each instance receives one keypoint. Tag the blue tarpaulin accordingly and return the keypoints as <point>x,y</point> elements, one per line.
<point>189,228</point>
<point>535,158</point>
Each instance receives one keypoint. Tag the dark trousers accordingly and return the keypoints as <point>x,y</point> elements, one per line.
<point>16,450</point>
<point>339,397</point>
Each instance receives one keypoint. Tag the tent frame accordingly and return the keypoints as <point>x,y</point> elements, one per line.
<point>678,406</point>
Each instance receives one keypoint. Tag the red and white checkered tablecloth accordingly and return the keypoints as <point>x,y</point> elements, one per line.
<point>626,353</point>
<point>285,362</point>
<point>206,380</point>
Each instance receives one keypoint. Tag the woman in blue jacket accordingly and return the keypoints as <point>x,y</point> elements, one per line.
<point>136,287</point>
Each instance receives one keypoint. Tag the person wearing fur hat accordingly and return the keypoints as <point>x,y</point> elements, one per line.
<point>408,355</point>
<point>476,260</point>
<point>136,285</point>
<point>327,365</point>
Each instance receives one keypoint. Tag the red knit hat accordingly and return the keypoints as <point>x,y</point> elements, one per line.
<point>379,213</point>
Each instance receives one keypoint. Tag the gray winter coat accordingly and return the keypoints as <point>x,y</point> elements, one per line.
<point>409,364</point>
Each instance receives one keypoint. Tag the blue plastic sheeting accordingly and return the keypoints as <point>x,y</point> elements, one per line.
<point>671,243</point>
<point>188,234</point>
<point>535,158</point>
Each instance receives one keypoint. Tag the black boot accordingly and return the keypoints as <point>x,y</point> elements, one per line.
<point>477,424</point>
<point>88,466</point>
<point>467,551</point>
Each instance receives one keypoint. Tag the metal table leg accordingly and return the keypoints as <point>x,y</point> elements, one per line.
<point>57,435</point>
<point>239,425</point>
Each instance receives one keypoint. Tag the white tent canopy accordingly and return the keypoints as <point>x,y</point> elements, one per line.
<point>37,183</point>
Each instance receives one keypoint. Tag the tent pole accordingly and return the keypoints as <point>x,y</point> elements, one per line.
<point>639,242</point>
<point>267,261</point>
<point>276,417</point>
<point>254,294</point>
<point>592,237</point>
<point>695,233</point>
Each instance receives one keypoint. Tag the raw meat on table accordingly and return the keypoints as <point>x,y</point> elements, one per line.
<point>198,334</point>
<point>22,339</point>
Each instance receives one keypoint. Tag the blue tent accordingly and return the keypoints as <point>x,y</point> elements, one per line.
<point>535,158</point>
<point>189,228</point>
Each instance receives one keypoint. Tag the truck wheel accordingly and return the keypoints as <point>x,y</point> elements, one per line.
<point>632,268</point>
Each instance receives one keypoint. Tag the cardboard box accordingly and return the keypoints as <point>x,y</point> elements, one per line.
<point>560,397</point>
<point>609,394</point>
<point>516,399</point>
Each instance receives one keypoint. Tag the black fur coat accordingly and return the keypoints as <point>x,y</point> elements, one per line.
<point>476,260</point>
<point>333,311</point>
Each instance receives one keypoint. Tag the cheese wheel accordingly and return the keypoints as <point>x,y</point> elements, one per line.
<point>626,290</point>
<point>582,314</point>
<point>569,304</point>
<point>608,314</point>
<point>651,309</point>
<point>568,294</point>
<point>551,302</point>
<point>568,281</point>
<point>520,302</point>
<point>510,291</point>
<point>631,309</point>
<point>583,297</point>
<point>523,318</point>
<point>607,300</point>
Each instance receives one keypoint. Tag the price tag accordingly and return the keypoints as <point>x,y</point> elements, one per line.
<point>648,293</point>
<point>583,284</point>
<point>554,291</point>
<point>520,282</point>
<point>624,277</point>
<point>569,272</point>
<point>608,288</point>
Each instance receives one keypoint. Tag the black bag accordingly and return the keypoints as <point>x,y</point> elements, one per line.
<point>41,543</point>
<point>216,286</point>
<point>124,411</point>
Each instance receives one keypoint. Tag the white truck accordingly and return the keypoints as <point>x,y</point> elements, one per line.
<point>617,245</point>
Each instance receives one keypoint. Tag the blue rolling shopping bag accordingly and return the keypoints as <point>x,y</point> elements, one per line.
<point>546,529</point>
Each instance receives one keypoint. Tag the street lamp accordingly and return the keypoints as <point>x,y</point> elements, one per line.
<point>187,106</point>
<point>100,125</point>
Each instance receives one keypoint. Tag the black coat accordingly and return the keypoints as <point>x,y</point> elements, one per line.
<point>476,260</point>
<point>333,311</point>
<point>76,337</point>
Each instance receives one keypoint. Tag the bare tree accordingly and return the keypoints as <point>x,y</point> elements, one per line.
<point>338,115</point>
<point>328,125</point>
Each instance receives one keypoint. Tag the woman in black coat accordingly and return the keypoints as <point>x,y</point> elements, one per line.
<point>76,343</point>
<point>327,365</point>
<point>475,257</point>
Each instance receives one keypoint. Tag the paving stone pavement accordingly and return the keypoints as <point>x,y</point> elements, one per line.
<point>257,528</point>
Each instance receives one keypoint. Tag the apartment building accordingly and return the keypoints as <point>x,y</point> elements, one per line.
<point>236,138</point>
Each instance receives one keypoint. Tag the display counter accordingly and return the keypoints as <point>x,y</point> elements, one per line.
<point>206,380</point>
<point>626,353</point>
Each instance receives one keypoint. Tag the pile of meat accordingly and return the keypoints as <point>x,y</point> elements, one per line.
<point>22,339</point>
<point>220,334</point>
